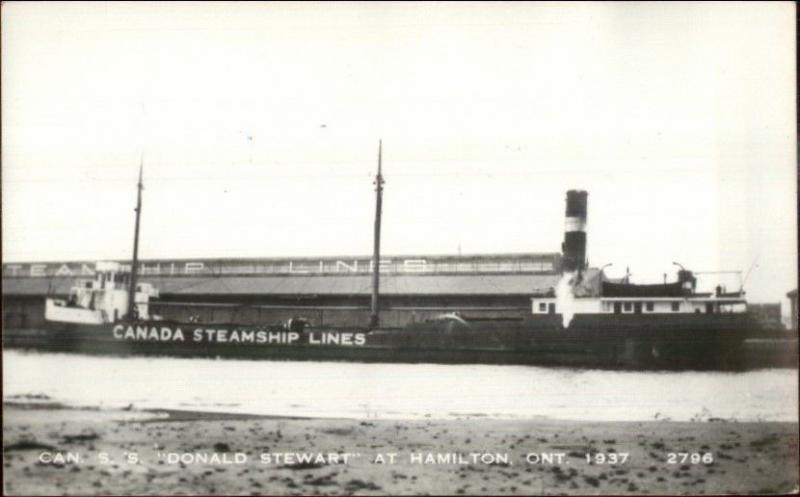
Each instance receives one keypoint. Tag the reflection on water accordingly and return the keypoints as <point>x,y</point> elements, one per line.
<point>339,389</point>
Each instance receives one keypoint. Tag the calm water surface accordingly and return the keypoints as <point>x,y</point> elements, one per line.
<point>401,391</point>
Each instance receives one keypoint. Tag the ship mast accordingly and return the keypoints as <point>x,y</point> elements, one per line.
<point>132,314</point>
<point>376,254</point>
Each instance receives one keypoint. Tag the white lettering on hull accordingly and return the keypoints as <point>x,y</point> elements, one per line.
<point>147,333</point>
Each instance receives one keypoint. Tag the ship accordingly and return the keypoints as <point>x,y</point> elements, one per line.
<point>586,320</point>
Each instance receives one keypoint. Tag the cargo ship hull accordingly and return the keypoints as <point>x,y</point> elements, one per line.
<point>596,341</point>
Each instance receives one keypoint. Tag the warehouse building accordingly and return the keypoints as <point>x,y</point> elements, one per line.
<point>333,291</point>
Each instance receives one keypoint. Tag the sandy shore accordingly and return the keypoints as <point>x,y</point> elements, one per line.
<point>468,457</point>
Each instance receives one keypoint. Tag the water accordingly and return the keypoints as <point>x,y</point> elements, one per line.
<point>400,391</point>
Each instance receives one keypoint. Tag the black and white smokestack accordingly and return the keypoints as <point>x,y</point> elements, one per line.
<point>574,247</point>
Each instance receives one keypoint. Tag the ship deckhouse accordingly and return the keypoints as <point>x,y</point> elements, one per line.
<point>597,294</point>
<point>104,299</point>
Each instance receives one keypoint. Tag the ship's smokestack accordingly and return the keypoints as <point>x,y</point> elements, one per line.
<point>574,246</point>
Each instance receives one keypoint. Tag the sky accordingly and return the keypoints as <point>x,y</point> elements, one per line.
<point>258,127</point>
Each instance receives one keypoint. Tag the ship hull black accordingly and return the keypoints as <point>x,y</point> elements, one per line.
<point>694,342</point>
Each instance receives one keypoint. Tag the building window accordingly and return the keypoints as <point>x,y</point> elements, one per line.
<point>627,306</point>
<point>676,306</point>
<point>648,306</point>
<point>542,307</point>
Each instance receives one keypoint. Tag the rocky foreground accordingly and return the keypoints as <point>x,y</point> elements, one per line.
<point>58,451</point>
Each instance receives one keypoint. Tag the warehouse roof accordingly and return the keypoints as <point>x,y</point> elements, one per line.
<point>439,284</point>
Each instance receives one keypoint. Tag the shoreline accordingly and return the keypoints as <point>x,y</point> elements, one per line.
<point>176,414</point>
<point>200,452</point>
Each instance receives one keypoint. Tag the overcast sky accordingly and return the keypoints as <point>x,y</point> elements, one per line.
<point>259,126</point>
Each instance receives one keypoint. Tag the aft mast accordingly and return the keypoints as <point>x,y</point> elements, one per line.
<point>376,254</point>
<point>132,314</point>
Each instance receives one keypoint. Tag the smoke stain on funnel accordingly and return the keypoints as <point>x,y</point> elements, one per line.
<point>565,298</point>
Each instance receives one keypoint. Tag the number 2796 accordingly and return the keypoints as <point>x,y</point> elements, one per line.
<point>690,457</point>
